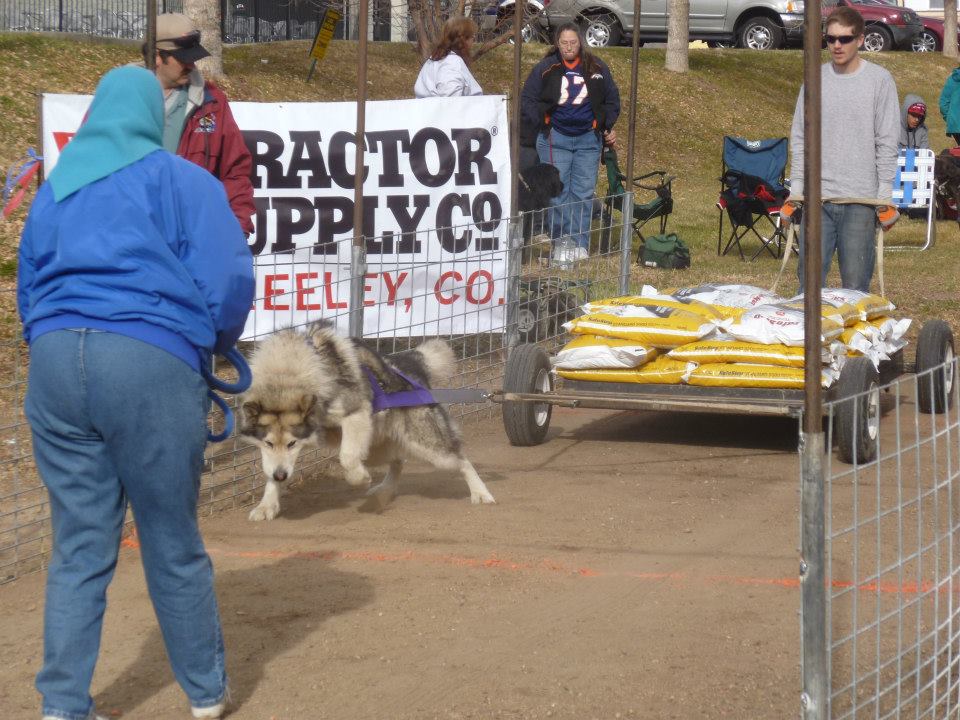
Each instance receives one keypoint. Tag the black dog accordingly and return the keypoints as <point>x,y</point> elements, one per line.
<point>539,184</point>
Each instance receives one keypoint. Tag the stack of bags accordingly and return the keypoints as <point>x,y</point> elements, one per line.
<point>723,336</point>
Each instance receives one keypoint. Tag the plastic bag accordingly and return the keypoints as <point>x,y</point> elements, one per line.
<point>778,324</point>
<point>651,305</point>
<point>660,371</point>
<point>746,375</point>
<point>728,297</point>
<point>586,352</point>
<point>674,327</point>
<point>869,305</point>
<point>737,351</point>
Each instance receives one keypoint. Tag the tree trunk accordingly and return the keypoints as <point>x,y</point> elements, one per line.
<point>678,36</point>
<point>950,28</point>
<point>206,16</point>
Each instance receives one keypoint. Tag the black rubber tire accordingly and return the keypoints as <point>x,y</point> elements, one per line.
<point>934,348</point>
<point>611,33</point>
<point>926,41</point>
<point>877,39</point>
<point>760,33</point>
<point>856,420</point>
<point>528,370</point>
<point>563,308</point>
<point>530,321</point>
<point>531,31</point>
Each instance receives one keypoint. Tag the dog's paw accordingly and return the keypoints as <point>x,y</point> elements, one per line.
<point>358,477</point>
<point>482,498</point>
<point>265,512</point>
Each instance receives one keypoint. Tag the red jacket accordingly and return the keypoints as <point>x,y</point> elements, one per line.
<point>212,140</point>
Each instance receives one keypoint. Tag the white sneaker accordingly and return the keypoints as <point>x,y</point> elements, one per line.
<point>213,712</point>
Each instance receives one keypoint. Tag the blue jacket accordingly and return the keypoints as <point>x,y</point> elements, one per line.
<point>151,251</point>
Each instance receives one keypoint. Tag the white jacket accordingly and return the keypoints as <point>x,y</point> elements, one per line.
<point>449,77</point>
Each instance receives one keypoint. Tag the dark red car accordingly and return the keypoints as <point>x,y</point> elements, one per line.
<point>930,38</point>
<point>888,25</point>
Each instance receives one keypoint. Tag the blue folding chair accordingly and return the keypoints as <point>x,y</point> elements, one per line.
<point>914,191</point>
<point>751,193</point>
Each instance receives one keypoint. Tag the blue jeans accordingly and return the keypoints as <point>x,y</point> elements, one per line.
<point>850,230</point>
<point>578,160</point>
<point>115,419</point>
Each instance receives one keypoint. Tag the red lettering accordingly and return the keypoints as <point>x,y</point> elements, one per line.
<point>438,288</point>
<point>304,290</point>
<point>270,292</point>
<point>391,288</point>
<point>474,279</point>
<point>328,292</point>
<point>368,288</point>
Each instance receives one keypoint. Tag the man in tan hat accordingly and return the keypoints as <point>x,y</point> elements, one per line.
<point>198,124</point>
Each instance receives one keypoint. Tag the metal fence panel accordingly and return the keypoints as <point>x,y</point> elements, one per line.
<point>891,528</point>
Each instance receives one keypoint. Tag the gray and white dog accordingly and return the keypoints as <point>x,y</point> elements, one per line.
<point>313,387</point>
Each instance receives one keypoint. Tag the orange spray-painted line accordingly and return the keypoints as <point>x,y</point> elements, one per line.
<point>546,565</point>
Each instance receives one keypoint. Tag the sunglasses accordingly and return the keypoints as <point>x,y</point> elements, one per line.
<point>189,40</point>
<point>842,39</point>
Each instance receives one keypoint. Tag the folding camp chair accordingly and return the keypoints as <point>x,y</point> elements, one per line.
<point>751,193</point>
<point>914,191</point>
<point>660,207</point>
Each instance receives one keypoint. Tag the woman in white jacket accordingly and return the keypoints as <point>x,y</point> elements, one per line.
<point>447,72</point>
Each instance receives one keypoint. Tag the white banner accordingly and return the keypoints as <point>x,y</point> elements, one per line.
<point>436,203</point>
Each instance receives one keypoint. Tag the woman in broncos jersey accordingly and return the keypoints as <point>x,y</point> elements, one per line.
<point>572,102</point>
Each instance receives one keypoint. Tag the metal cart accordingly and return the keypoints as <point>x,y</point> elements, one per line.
<point>529,394</point>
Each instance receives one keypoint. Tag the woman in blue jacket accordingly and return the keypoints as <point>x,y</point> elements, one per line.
<point>132,271</point>
<point>950,104</point>
<point>569,106</point>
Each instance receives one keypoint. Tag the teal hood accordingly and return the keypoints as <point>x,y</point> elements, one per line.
<point>123,125</point>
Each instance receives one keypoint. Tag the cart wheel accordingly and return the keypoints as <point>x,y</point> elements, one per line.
<point>563,308</point>
<point>856,421</point>
<point>935,358</point>
<point>528,321</point>
<point>528,370</point>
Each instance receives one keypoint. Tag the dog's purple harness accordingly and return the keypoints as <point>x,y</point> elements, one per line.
<point>382,400</point>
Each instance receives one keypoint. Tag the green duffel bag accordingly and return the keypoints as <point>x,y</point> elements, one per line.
<point>665,251</point>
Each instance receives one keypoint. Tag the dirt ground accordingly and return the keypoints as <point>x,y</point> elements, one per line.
<point>637,565</point>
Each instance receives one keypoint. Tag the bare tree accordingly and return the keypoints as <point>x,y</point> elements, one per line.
<point>206,16</point>
<point>428,16</point>
<point>678,36</point>
<point>950,28</point>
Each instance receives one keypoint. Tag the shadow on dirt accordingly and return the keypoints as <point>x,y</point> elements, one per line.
<point>265,610</point>
<point>700,429</point>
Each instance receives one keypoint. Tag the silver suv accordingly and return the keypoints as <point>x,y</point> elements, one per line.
<point>755,24</point>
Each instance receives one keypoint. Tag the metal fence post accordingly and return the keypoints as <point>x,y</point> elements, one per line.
<point>626,245</point>
<point>256,21</point>
<point>358,271</point>
<point>813,589</point>
<point>514,263</point>
<point>60,16</point>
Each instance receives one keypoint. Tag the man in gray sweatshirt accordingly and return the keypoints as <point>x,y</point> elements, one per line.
<point>860,120</point>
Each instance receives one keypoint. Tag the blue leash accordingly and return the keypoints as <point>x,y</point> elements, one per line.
<point>245,377</point>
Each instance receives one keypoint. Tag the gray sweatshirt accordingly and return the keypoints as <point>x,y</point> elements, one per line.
<point>860,127</point>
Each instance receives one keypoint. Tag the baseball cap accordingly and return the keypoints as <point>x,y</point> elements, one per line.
<point>918,108</point>
<point>177,35</point>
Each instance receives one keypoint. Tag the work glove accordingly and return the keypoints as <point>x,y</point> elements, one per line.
<point>790,212</point>
<point>887,215</point>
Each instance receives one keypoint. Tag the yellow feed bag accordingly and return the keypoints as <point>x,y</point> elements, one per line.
<point>675,327</point>
<point>661,371</point>
<point>736,351</point>
<point>587,352</point>
<point>744,375</point>
<point>654,305</point>
<point>727,296</point>
<point>843,314</point>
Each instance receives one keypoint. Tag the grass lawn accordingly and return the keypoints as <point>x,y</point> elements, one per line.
<point>681,120</point>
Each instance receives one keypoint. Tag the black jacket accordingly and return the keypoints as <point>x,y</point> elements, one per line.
<point>541,92</point>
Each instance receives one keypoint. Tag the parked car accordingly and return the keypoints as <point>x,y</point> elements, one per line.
<point>756,24</point>
<point>888,25</point>
<point>930,38</point>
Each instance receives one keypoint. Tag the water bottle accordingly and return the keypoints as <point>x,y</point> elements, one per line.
<point>565,252</point>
